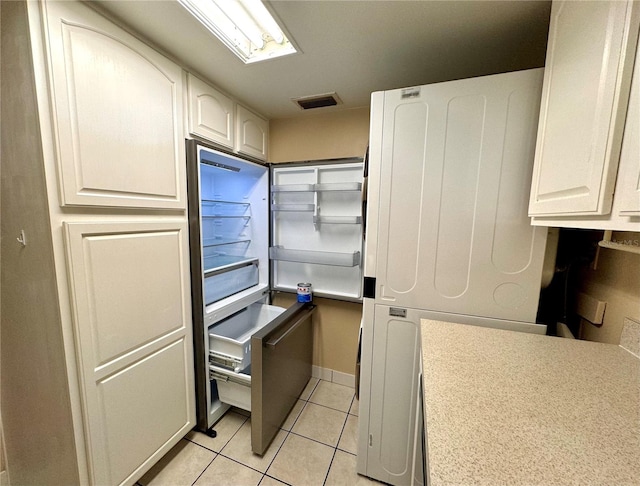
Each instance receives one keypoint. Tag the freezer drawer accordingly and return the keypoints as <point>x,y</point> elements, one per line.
<point>230,340</point>
<point>281,355</point>
<point>233,388</point>
<point>280,368</point>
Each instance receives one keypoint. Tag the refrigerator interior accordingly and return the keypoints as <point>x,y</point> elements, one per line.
<point>250,354</point>
<point>229,216</point>
<point>317,228</point>
<point>234,229</point>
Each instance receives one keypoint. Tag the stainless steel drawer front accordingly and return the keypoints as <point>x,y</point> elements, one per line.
<point>281,356</point>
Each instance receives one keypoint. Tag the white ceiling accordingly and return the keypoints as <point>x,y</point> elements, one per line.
<point>351,47</point>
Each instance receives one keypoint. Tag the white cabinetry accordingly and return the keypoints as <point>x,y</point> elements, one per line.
<point>109,152</point>
<point>211,114</point>
<point>135,348</point>
<point>252,134</point>
<point>627,199</point>
<point>118,110</point>
<point>219,119</point>
<point>590,61</point>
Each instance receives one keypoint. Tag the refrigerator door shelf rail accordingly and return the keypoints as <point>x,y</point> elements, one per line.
<point>328,186</point>
<point>293,207</point>
<point>316,257</point>
<point>338,186</point>
<point>337,219</point>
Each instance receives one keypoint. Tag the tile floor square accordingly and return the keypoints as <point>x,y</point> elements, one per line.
<point>343,472</point>
<point>239,448</point>
<point>226,428</point>
<point>320,423</point>
<point>333,395</point>
<point>180,466</point>
<point>301,462</point>
<point>225,472</point>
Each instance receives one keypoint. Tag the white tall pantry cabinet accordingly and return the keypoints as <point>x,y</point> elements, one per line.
<point>97,289</point>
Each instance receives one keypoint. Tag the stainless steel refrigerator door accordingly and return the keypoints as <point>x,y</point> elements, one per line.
<point>281,354</point>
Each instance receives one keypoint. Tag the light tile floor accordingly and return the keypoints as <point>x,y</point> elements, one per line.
<point>316,445</point>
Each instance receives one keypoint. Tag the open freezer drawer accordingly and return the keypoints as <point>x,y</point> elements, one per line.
<point>279,369</point>
<point>230,340</point>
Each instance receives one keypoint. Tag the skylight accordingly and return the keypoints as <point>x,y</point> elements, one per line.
<point>244,26</point>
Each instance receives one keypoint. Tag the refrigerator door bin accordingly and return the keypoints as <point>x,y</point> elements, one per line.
<point>233,388</point>
<point>350,259</point>
<point>230,279</point>
<point>230,340</point>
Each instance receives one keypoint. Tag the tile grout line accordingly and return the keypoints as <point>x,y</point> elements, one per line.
<point>335,450</point>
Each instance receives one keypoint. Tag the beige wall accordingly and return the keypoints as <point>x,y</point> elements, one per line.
<point>326,135</point>
<point>616,280</point>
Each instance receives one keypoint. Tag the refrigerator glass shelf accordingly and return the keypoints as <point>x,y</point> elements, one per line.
<point>338,219</point>
<point>209,242</point>
<point>293,207</point>
<point>214,208</point>
<point>317,257</point>
<point>327,186</point>
<point>220,261</point>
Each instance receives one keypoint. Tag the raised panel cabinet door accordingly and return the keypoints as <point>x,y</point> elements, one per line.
<point>584,101</point>
<point>130,299</point>
<point>211,114</point>
<point>628,183</point>
<point>252,134</point>
<point>118,114</point>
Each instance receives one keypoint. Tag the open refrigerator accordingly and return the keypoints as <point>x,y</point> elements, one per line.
<point>255,229</point>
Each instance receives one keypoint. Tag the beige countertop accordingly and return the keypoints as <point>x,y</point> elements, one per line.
<point>509,408</point>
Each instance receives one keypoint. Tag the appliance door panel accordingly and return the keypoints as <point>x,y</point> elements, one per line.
<point>455,163</point>
<point>281,354</point>
<point>317,227</point>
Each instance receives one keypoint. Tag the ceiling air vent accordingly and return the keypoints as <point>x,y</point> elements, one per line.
<point>317,101</point>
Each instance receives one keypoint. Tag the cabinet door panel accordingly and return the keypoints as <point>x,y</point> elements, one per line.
<point>584,100</point>
<point>130,299</point>
<point>118,110</point>
<point>144,407</point>
<point>210,113</point>
<point>252,134</point>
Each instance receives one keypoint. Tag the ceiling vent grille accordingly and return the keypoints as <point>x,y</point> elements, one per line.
<point>317,101</point>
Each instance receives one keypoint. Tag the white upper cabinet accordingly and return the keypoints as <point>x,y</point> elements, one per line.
<point>252,134</point>
<point>589,62</point>
<point>118,111</point>
<point>211,114</point>
<point>628,187</point>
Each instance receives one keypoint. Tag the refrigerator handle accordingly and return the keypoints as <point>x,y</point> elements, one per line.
<point>272,343</point>
<point>365,184</point>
